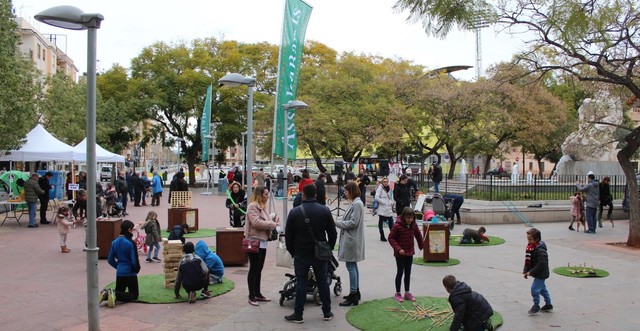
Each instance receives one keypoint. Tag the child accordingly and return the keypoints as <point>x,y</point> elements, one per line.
<point>583,216</point>
<point>80,207</point>
<point>65,219</point>
<point>192,275</point>
<point>471,309</point>
<point>178,231</point>
<point>212,260</point>
<point>575,210</point>
<point>401,239</point>
<point>474,236</point>
<point>536,265</point>
<point>151,228</point>
<point>123,256</point>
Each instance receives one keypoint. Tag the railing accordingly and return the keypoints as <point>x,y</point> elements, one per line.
<point>494,188</point>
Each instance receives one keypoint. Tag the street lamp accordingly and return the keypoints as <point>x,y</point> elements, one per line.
<point>72,18</point>
<point>236,79</point>
<point>291,105</point>
<point>244,161</point>
<point>179,140</point>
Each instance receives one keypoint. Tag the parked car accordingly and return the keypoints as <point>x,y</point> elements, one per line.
<point>625,200</point>
<point>105,173</point>
<point>313,173</point>
<point>495,172</point>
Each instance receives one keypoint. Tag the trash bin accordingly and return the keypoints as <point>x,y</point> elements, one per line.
<point>436,241</point>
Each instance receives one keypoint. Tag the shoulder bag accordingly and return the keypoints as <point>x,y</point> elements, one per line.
<point>322,249</point>
<point>250,245</point>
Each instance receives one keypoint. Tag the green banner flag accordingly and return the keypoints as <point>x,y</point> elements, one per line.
<point>205,126</point>
<point>296,18</point>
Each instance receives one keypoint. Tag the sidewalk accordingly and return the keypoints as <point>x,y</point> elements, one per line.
<point>42,289</point>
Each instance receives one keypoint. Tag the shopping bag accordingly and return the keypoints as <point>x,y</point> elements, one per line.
<point>283,258</point>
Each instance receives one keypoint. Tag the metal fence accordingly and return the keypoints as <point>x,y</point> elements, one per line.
<point>493,188</point>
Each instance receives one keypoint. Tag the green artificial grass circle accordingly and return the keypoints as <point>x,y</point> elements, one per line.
<point>387,314</point>
<point>454,240</point>
<point>580,272</point>
<point>450,262</point>
<point>201,233</point>
<point>152,290</point>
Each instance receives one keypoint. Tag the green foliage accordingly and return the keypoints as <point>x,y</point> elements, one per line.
<point>63,109</point>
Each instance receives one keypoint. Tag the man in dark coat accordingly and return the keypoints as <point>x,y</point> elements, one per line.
<point>178,184</point>
<point>122,188</point>
<point>309,216</point>
<point>436,175</point>
<point>138,187</point>
<point>130,187</point>
<point>471,309</point>
<point>43,182</point>
<point>321,191</point>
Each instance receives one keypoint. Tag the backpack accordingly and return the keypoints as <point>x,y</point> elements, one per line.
<point>192,275</point>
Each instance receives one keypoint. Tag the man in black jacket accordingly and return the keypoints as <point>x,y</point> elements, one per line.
<point>123,190</point>
<point>321,191</point>
<point>43,182</point>
<point>471,309</point>
<point>310,215</point>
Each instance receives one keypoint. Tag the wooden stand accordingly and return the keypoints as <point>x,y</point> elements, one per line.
<point>177,216</point>
<point>436,241</point>
<point>228,246</point>
<point>107,229</point>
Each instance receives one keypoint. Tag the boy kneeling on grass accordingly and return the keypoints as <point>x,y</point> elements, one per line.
<point>471,236</point>
<point>193,274</point>
<point>471,309</point>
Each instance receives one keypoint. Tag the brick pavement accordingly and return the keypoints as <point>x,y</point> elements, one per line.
<point>42,289</point>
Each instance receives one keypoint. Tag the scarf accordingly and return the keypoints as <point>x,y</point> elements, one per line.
<point>527,253</point>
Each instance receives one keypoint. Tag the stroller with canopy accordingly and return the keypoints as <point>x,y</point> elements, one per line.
<point>288,291</point>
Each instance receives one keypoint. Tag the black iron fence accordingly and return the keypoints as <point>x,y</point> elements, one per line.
<point>494,188</point>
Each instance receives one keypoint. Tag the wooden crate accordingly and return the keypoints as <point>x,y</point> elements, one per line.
<point>181,199</point>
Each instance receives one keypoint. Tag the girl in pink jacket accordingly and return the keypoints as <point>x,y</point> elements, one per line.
<point>65,220</point>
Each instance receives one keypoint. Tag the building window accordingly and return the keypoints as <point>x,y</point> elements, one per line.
<point>31,54</point>
<point>38,53</point>
<point>44,51</point>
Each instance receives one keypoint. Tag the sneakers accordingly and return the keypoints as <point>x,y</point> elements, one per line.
<point>32,225</point>
<point>253,302</point>
<point>295,318</point>
<point>547,308</point>
<point>111,298</point>
<point>327,316</point>
<point>103,296</point>
<point>157,259</point>
<point>149,260</point>
<point>262,298</point>
<point>206,294</point>
<point>192,297</point>
<point>571,228</point>
<point>534,310</point>
<point>409,296</point>
<point>398,297</point>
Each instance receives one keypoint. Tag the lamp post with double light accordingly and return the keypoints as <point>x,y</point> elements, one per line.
<point>235,79</point>
<point>288,109</point>
<point>72,18</point>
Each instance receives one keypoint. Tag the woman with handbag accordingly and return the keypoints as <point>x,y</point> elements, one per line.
<point>351,241</point>
<point>257,231</point>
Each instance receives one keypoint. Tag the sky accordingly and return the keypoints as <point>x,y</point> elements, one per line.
<point>359,26</point>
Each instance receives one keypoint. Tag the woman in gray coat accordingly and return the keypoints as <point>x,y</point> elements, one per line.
<point>351,249</point>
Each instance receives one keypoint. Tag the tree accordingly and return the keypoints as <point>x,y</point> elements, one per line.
<point>63,109</point>
<point>593,41</point>
<point>18,84</point>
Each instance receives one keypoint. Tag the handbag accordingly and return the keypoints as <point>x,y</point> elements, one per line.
<point>274,235</point>
<point>250,245</point>
<point>321,248</point>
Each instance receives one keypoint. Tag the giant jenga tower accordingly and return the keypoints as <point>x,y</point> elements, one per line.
<point>172,254</point>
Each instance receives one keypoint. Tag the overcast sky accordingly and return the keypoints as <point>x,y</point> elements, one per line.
<point>360,26</point>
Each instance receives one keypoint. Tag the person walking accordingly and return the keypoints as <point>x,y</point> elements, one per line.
<point>258,226</point>
<point>156,189</point>
<point>402,193</point>
<point>44,184</point>
<point>306,224</point>
<point>351,249</point>
<point>321,191</point>
<point>536,265</point>
<point>606,199</point>
<point>593,196</point>
<point>32,191</point>
<point>122,189</point>
<point>385,202</point>
<point>436,175</point>
<point>146,183</point>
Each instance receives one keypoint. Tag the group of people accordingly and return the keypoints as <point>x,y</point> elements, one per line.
<point>588,202</point>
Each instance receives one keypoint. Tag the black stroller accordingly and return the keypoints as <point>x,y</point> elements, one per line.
<point>442,208</point>
<point>288,291</point>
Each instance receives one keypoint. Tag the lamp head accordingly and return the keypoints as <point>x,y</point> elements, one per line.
<point>235,79</point>
<point>69,17</point>
<point>295,104</point>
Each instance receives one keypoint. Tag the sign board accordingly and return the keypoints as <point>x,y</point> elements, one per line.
<point>74,187</point>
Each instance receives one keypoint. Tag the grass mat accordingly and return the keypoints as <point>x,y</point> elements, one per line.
<point>454,240</point>
<point>374,315</point>
<point>201,233</point>
<point>152,290</point>
<point>420,261</point>
<point>580,272</point>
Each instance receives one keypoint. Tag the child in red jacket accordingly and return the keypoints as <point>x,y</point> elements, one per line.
<point>401,239</point>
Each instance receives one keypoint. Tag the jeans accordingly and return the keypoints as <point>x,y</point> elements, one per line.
<point>539,288</point>
<point>354,276</point>
<point>403,264</point>
<point>157,246</point>
<point>123,200</point>
<point>127,282</point>
<point>32,206</point>
<point>591,218</point>
<point>280,190</point>
<point>302,272</point>
<point>436,187</point>
<point>256,263</point>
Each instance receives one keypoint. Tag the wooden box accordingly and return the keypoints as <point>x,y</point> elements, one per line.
<point>436,241</point>
<point>177,216</point>
<point>107,230</point>
<point>229,244</point>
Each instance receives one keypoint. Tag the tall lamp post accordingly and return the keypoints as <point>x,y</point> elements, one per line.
<point>291,105</point>
<point>236,79</point>
<point>72,18</point>
<point>244,161</point>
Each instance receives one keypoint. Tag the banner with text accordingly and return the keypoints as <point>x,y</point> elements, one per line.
<point>296,17</point>
<point>205,126</point>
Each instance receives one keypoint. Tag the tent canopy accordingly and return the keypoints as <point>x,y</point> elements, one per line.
<point>102,155</point>
<point>40,145</point>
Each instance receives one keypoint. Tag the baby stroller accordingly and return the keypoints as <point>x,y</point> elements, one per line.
<point>442,208</point>
<point>288,291</point>
<point>117,209</point>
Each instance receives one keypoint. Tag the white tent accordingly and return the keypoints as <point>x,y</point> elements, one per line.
<point>40,145</point>
<point>102,155</point>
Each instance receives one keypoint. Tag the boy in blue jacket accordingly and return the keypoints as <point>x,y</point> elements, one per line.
<point>123,256</point>
<point>213,261</point>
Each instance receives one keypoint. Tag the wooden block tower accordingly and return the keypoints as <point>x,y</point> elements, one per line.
<point>171,256</point>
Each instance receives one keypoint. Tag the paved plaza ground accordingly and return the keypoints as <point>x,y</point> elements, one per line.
<point>43,289</point>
